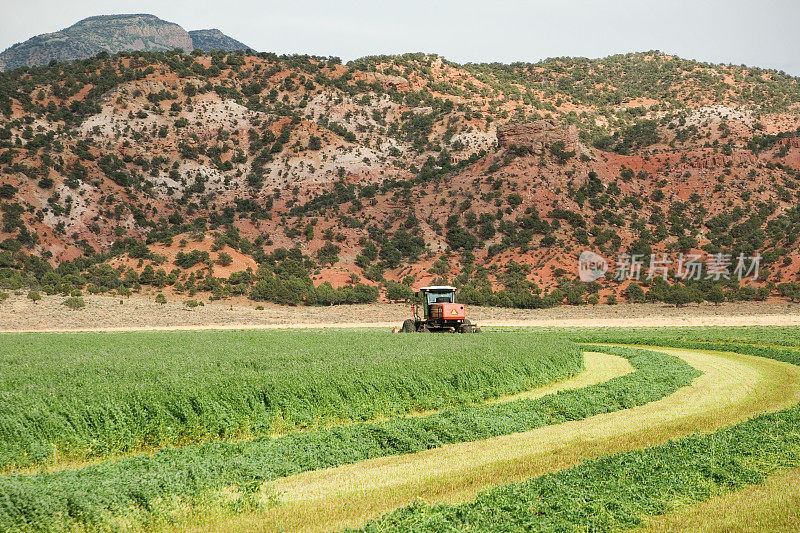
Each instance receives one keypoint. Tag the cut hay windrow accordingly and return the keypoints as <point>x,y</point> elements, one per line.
<point>619,492</point>
<point>622,491</point>
<point>147,489</point>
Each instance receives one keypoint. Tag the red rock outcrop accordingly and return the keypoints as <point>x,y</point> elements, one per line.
<point>387,81</point>
<point>538,136</point>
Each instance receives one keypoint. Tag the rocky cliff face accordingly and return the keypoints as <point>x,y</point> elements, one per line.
<point>386,81</point>
<point>538,136</point>
<point>112,33</point>
<point>208,40</point>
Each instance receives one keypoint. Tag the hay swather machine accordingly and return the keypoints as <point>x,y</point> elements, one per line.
<point>439,311</point>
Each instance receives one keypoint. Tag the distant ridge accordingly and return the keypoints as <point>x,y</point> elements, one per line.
<point>112,34</point>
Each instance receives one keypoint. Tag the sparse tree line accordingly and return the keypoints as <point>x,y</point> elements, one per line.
<point>284,277</point>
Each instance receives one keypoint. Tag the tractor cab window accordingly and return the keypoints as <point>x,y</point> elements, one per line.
<point>440,297</point>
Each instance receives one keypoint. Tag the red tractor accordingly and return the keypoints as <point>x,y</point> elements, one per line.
<point>440,312</point>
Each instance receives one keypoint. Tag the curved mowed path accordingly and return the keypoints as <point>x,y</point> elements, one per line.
<point>732,389</point>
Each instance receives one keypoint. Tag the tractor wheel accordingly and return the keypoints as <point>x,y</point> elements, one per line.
<point>466,327</point>
<point>477,330</point>
<point>409,326</point>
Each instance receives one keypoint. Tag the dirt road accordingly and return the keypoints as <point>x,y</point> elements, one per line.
<point>105,313</point>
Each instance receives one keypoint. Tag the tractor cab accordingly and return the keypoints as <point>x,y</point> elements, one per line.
<point>431,296</point>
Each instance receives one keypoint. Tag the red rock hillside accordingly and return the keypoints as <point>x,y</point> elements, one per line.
<point>299,179</point>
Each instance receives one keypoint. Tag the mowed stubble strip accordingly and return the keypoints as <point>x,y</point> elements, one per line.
<point>624,490</point>
<point>732,388</point>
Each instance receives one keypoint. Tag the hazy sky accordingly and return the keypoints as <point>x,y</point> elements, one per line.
<point>755,32</point>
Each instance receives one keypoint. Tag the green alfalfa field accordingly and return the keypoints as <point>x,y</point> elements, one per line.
<point>170,430</point>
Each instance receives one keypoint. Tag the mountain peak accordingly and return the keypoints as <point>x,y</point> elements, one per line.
<point>112,34</point>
